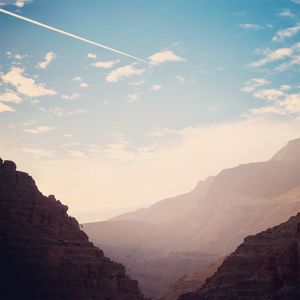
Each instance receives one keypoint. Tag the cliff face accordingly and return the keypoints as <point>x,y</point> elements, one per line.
<point>265,267</point>
<point>43,252</point>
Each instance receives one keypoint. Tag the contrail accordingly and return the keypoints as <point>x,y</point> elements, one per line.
<point>69,34</point>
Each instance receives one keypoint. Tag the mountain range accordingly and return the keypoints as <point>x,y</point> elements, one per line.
<point>183,234</point>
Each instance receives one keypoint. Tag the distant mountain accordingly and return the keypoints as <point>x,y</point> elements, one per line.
<point>265,267</point>
<point>214,218</point>
<point>43,252</point>
<point>189,282</point>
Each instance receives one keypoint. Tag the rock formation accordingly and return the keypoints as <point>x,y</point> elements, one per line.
<point>265,267</point>
<point>43,252</point>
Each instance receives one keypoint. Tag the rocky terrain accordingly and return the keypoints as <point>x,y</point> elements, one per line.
<point>43,252</point>
<point>265,267</point>
<point>214,218</point>
<point>189,282</point>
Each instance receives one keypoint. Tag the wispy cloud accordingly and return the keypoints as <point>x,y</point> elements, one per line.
<point>286,13</point>
<point>82,84</point>
<point>60,112</point>
<point>49,57</point>
<point>18,3</point>
<point>105,64</point>
<point>39,152</point>
<point>25,85</point>
<point>5,108</point>
<point>156,88</point>
<point>269,94</point>
<point>91,55</point>
<point>70,97</point>
<point>250,26</point>
<point>254,83</point>
<point>163,57</point>
<point>272,56</point>
<point>286,33</point>
<point>39,129</point>
<point>124,72</point>
<point>133,97</point>
<point>10,96</point>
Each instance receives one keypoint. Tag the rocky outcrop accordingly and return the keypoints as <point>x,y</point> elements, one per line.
<point>189,282</point>
<point>43,252</point>
<point>265,267</point>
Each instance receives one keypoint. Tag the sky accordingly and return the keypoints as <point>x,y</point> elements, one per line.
<point>217,85</point>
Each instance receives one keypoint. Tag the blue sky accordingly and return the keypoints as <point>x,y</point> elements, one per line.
<point>220,86</point>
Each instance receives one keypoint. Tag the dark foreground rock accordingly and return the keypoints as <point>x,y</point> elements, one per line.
<point>43,253</point>
<point>265,267</point>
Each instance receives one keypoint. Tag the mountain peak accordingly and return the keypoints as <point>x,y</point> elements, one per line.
<point>291,152</point>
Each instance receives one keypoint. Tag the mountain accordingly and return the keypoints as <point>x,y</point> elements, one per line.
<point>211,220</point>
<point>265,266</point>
<point>189,282</point>
<point>43,252</point>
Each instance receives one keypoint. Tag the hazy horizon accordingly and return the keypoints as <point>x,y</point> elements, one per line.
<point>107,133</point>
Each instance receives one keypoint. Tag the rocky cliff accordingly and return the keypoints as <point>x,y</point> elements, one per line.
<point>43,252</point>
<point>265,267</point>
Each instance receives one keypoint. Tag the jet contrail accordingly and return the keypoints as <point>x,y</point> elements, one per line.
<point>69,34</point>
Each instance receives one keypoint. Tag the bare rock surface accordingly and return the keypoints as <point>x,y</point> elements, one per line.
<point>265,266</point>
<point>43,252</point>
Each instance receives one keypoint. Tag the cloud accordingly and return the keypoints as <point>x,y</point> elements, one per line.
<point>49,57</point>
<point>18,3</point>
<point>133,97</point>
<point>105,64</point>
<point>39,129</point>
<point>286,33</point>
<point>10,96</point>
<point>250,26</point>
<point>155,88</point>
<point>164,56</point>
<point>84,85</point>
<point>5,108</point>
<point>180,78</point>
<point>60,112</point>
<point>70,97</point>
<point>91,55</point>
<point>124,72</point>
<point>296,1</point>
<point>254,83</point>
<point>272,56</point>
<point>77,79</point>
<point>286,13</point>
<point>269,94</point>
<point>25,85</point>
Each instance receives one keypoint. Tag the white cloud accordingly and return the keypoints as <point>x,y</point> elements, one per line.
<point>164,56</point>
<point>133,97</point>
<point>91,55</point>
<point>155,88</point>
<point>105,64</point>
<point>124,72</point>
<point>18,3</point>
<point>84,85</point>
<point>49,57</point>
<point>250,26</point>
<point>296,1</point>
<point>60,112</point>
<point>5,108</point>
<point>286,13</point>
<point>254,83</point>
<point>25,85</point>
<point>286,33</point>
<point>71,97</point>
<point>10,96</point>
<point>269,94</point>
<point>39,129</point>
<point>137,83</point>
<point>77,79</point>
<point>180,78</point>
<point>272,56</point>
